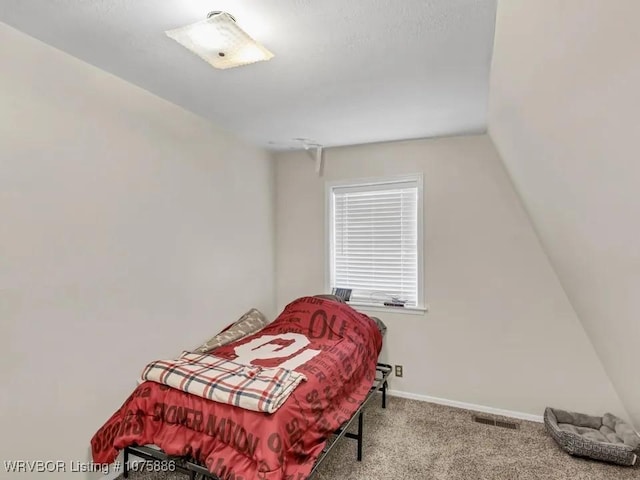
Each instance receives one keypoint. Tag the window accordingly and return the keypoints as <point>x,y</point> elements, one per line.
<point>375,240</point>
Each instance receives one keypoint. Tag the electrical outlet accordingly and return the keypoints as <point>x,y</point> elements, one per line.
<point>398,370</point>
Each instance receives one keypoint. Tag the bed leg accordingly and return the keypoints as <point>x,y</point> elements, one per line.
<point>360,428</point>
<point>125,474</point>
<point>384,394</point>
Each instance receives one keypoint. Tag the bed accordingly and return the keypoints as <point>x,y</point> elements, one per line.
<point>334,347</point>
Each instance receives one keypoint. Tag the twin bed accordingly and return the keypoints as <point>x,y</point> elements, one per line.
<point>261,424</point>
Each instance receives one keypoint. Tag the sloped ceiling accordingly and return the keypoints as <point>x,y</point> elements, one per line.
<point>344,72</point>
<point>564,114</point>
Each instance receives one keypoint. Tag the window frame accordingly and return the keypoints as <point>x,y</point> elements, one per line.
<point>330,186</point>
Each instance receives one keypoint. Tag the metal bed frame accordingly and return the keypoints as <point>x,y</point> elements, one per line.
<point>191,468</point>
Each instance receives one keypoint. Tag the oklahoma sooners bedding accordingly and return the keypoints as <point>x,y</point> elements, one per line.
<point>335,347</point>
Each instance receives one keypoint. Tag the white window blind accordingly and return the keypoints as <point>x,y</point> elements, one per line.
<point>374,244</point>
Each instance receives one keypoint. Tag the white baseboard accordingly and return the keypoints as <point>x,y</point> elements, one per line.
<point>467,406</point>
<point>113,473</point>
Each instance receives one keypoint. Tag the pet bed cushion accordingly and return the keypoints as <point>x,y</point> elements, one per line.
<point>606,438</point>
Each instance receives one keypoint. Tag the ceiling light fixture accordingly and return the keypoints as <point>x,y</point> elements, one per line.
<point>220,41</point>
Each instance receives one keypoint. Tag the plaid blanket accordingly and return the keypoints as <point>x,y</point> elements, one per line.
<point>250,387</point>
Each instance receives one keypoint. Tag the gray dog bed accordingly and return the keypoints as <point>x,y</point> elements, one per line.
<point>606,438</point>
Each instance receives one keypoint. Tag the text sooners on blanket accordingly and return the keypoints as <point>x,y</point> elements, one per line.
<point>334,346</point>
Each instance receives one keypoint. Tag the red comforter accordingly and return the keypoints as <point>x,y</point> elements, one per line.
<point>332,344</point>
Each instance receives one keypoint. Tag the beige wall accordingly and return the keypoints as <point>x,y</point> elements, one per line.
<point>500,331</point>
<point>129,229</point>
<point>564,115</point>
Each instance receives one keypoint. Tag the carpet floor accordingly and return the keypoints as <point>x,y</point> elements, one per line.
<point>422,441</point>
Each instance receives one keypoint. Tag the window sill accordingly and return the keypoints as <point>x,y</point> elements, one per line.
<point>365,308</point>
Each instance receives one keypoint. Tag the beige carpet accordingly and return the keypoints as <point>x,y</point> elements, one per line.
<point>422,441</point>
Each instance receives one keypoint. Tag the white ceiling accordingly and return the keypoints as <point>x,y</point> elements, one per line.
<point>345,72</point>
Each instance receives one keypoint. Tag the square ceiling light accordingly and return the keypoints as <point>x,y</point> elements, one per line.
<point>220,41</point>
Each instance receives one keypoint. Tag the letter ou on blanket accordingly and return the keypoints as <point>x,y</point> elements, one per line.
<point>334,346</point>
